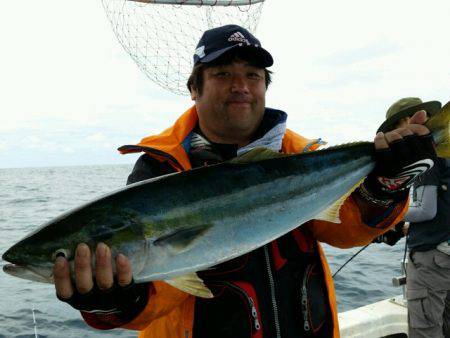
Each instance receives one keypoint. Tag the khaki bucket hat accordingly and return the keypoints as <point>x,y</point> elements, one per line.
<point>407,107</point>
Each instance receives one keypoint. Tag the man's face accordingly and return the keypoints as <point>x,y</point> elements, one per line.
<point>231,105</point>
<point>402,123</point>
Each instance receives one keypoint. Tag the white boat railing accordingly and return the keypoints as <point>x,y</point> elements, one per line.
<point>386,318</point>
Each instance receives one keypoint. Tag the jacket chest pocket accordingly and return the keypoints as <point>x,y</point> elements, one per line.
<point>247,295</point>
<point>233,312</point>
<point>303,277</point>
<point>313,300</point>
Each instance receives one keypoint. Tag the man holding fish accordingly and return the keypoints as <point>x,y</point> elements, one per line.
<point>282,288</point>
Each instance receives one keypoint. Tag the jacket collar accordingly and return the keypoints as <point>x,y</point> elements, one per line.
<point>171,143</point>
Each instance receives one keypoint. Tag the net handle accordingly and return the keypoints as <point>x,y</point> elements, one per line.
<point>202,2</point>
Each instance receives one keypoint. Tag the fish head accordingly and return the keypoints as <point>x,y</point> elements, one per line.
<point>33,257</point>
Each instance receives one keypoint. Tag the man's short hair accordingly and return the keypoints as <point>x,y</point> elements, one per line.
<point>196,78</point>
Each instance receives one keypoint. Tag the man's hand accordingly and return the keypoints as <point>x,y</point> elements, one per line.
<point>391,237</point>
<point>84,281</point>
<point>401,156</point>
<point>104,294</point>
<point>415,126</point>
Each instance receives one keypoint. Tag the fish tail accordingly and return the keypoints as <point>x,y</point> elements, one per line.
<point>439,125</point>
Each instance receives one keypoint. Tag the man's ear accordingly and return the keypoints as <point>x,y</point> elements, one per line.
<point>194,93</point>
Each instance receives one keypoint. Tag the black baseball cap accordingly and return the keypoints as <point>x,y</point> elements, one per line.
<point>217,41</point>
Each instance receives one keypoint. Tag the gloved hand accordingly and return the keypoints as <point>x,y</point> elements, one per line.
<point>398,166</point>
<point>391,237</point>
<point>115,300</point>
<point>123,302</point>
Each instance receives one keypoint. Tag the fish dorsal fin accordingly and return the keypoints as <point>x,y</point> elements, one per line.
<point>342,146</point>
<point>331,214</point>
<point>191,284</point>
<point>257,154</point>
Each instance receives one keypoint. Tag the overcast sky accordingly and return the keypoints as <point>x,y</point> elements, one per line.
<point>70,95</point>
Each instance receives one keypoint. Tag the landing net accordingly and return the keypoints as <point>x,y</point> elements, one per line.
<point>161,37</point>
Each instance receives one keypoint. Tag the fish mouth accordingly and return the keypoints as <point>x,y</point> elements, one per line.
<point>7,255</point>
<point>12,255</point>
<point>28,272</point>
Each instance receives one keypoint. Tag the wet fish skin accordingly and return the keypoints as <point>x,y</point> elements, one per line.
<point>184,217</point>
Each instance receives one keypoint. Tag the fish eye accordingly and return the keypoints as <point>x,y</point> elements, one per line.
<point>61,253</point>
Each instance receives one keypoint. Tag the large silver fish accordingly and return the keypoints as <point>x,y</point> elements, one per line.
<point>181,223</point>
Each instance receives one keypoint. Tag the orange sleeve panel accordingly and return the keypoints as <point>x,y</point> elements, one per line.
<point>165,304</point>
<point>330,289</point>
<point>178,323</point>
<point>294,143</point>
<point>352,231</point>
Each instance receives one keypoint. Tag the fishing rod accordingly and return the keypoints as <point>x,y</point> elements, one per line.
<point>363,248</point>
<point>404,256</point>
<point>34,323</point>
<point>348,261</point>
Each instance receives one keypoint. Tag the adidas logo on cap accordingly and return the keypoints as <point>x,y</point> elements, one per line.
<point>238,37</point>
<point>200,52</point>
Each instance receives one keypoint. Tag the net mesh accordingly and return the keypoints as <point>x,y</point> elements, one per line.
<point>161,39</point>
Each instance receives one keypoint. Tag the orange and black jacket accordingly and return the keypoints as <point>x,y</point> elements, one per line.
<point>283,289</point>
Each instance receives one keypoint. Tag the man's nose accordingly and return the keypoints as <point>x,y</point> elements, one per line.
<point>239,84</point>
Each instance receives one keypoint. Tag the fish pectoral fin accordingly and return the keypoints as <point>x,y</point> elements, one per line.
<point>331,214</point>
<point>257,154</point>
<point>181,238</point>
<point>191,284</point>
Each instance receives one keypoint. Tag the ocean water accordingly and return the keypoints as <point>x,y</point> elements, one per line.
<point>32,196</point>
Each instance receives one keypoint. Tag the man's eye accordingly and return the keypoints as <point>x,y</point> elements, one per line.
<point>254,76</point>
<point>222,74</point>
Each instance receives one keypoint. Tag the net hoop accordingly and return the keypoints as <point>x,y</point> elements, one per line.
<point>201,2</point>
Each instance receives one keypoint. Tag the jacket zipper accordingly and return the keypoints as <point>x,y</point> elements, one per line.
<point>305,304</point>
<point>272,292</point>
<point>250,300</point>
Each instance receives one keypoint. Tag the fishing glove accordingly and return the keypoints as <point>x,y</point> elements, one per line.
<point>122,303</point>
<point>392,236</point>
<point>397,167</point>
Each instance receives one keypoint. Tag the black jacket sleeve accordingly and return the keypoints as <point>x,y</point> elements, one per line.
<point>147,167</point>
